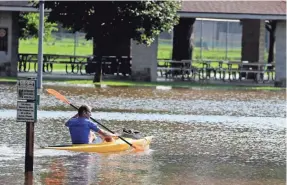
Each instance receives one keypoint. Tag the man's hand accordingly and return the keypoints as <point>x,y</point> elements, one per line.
<point>114,135</point>
<point>109,139</point>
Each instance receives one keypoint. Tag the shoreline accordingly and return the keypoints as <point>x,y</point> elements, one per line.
<point>160,84</point>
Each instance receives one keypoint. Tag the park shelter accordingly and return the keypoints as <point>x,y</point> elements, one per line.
<point>252,14</point>
<point>9,34</point>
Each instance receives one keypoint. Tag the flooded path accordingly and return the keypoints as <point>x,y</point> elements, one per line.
<point>201,137</point>
<point>176,101</point>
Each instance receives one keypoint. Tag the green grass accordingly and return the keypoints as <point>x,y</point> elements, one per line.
<point>165,51</point>
<point>66,47</point>
<point>63,47</point>
<point>177,84</point>
<point>8,79</point>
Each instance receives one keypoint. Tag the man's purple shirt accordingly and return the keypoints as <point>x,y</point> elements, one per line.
<point>80,129</point>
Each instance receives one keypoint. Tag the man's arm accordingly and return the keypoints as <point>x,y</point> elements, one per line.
<point>106,134</point>
<point>103,133</point>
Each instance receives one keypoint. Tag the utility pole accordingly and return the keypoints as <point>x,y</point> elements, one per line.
<point>40,45</point>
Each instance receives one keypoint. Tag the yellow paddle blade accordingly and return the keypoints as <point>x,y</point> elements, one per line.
<point>58,95</point>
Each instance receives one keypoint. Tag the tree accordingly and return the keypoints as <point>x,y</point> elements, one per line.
<point>182,42</point>
<point>271,27</point>
<point>141,20</point>
<point>29,26</point>
<point>109,22</point>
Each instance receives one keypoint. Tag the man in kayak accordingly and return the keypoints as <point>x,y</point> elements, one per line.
<point>81,127</point>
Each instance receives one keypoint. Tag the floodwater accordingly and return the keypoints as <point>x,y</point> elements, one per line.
<point>212,137</point>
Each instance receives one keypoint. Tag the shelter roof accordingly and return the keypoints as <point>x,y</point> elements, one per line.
<point>234,9</point>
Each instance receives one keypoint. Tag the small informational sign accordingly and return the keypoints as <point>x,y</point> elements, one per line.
<point>26,89</point>
<point>26,111</point>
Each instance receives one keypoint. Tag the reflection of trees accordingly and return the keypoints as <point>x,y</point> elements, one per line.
<point>56,175</point>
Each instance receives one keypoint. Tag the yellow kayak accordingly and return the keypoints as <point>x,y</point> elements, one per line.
<point>105,147</point>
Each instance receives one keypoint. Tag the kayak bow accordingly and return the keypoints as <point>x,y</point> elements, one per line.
<point>105,147</point>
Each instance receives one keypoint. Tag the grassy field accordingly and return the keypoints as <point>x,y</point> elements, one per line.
<point>66,47</point>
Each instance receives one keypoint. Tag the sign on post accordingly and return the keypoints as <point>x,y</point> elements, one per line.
<point>27,100</point>
<point>26,112</point>
<point>26,90</point>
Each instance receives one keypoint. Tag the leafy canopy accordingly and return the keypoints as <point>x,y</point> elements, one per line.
<point>140,20</point>
<point>29,26</point>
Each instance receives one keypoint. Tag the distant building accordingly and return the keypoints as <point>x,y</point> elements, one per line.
<point>9,34</point>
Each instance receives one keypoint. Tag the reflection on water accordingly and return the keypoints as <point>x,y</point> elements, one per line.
<point>242,143</point>
<point>103,169</point>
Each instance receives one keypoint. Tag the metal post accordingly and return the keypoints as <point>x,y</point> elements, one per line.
<point>213,25</point>
<point>28,178</point>
<point>226,46</point>
<point>75,42</point>
<point>201,29</point>
<point>27,102</point>
<point>40,45</point>
<point>29,155</point>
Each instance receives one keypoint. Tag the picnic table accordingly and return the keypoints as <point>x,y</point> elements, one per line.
<point>243,68</point>
<point>173,68</point>
<point>225,70</point>
<point>72,63</point>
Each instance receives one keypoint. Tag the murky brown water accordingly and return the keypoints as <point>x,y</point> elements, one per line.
<point>202,137</point>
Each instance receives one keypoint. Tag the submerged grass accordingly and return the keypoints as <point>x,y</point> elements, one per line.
<point>179,84</point>
<point>8,79</point>
<point>173,84</point>
<point>65,107</point>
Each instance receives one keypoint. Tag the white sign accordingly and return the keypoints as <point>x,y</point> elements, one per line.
<point>26,89</point>
<point>25,111</point>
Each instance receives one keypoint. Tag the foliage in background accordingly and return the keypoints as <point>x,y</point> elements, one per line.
<point>29,26</point>
<point>140,20</point>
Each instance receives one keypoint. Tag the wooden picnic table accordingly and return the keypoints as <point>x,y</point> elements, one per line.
<point>230,70</point>
<point>244,68</point>
<point>204,72</point>
<point>257,68</point>
<point>71,61</point>
<point>182,67</point>
<point>74,64</point>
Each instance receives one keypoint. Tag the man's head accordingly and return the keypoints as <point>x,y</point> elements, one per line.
<point>85,111</point>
